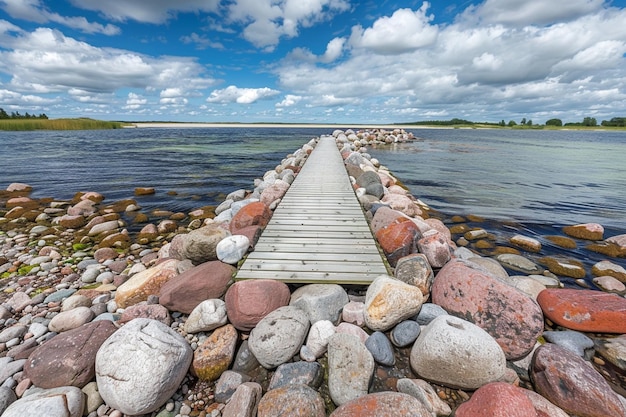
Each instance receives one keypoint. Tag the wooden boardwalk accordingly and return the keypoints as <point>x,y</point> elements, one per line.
<point>318,233</point>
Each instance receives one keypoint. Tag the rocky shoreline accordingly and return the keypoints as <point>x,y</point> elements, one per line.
<point>95,320</point>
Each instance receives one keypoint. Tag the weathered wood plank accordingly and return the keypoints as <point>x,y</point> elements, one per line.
<point>318,232</point>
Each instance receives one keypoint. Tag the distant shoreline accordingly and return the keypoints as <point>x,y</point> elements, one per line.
<point>276,125</point>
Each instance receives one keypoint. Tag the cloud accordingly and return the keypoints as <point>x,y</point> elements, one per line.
<point>46,57</point>
<point>288,101</point>
<point>146,11</point>
<point>35,11</point>
<point>135,101</point>
<point>334,49</point>
<point>532,12</point>
<point>233,94</point>
<point>404,31</point>
<point>267,21</point>
<point>201,41</point>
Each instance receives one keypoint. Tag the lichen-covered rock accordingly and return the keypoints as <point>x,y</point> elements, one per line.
<point>587,231</point>
<point>214,355</point>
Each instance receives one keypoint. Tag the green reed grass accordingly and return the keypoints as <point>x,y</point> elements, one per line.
<point>57,124</point>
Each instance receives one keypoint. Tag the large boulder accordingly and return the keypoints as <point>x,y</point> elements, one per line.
<point>247,302</point>
<point>54,402</point>
<point>68,359</point>
<point>141,366</point>
<point>388,301</point>
<point>214,355</point>
<point>253,214</point>
<point>200,245</point>
<point>435,354</point>
<point>350,368</point>
<point>203,282</point>
<point>320,301</point>
<point>506,313</point>
<point>146,283</point>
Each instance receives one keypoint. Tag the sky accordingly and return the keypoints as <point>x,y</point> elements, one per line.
<point>314,61</point>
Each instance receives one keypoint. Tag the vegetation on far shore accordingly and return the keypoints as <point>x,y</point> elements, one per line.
<point>17,121</point>
<point>588,122</point>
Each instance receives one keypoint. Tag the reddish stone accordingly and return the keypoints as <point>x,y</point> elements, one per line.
<point>295,400</point>
<point>104,254</point>
<point>584,310</point>
<point>383,404</point>
<point>398,239</point>
<point>24,202</point>
<point>435,246</point>
<point>149,311</point>
<point>214,355</point>
<point>251,232</point>
<point>506,313</point>
<point>571,383</point>
<point>497,399</point>
<point>71,222</point>
<point>68,358</point>
<point>247,302</point>
<point>206,281</point>
<point>253,214</point>
<point>383,217</point>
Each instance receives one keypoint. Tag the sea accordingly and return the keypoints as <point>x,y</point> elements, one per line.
<point>532,182</point>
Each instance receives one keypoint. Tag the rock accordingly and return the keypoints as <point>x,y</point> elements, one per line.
<point>435,354</point>
<point>245,360</point>
<point>306,373</point>
<point>19,187</point>
<point>372,184</point>
<point>383,217</point>
<point>231,249</point>
<point>10,367</point>
<point>93,400</point>
<point>587,231</point>
<point>428,313</point>
<point>186,291</point>
<point>613,350</point>
<point>426,394</point>
<point>609,284</point>
<point>382,404</point>
<point>497,399</point>
<point>319,335</point>
<point>71,319</point>
<point>414,269</point>
<point>381,349</point>
<point>543,406</point>
<point>405,333</point>
<point>279,336</point>
<point>350,368</point>
<point>140,191</point>
<point>13,332</point>
<point>68,359</point>
<point>274,192</point>
<point>434,245</point>
<point>247,302</point>
<point>609,268</point>
<point>571,383</point>
<point>519,263</point>
<point>402,203</point>
<point>104,254</point>
<point>148,311</point>
<point>509,315</point>
<point>251,232</point>
<point>207,316</point>
<point>354,313</point>
<point>70,222</point>
<point>565,267</point>
<point>214,355</point>
<point>155,358</point>
<point>584,310</point>
<point>526,243</point>
<point>200,245</point>
<point>573,341</point>
<point>293,400</point>
<point>227,384</point>
<point>388,301</point>
<point>347,328</point>
<point>253,214</point>
<point>398,239</point>
<point>7,397</point>
<point>146,283</point>
<point>103,227</point>
<point>320,301</point>
<point>245,401</point>
<point>55,402</point>
<point>491,266</point>
<point>527,285</point>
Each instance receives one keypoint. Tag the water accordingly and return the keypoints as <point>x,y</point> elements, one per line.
<point>521,181</point>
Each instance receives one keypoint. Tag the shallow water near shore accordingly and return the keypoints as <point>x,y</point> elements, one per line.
<point>520,181</point>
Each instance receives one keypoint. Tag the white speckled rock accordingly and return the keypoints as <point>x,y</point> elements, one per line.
<point>456,353</point>
<point>231,249</point>
<point>55,402</point>
<point>279,336</point>
<point>207,316</point>
<point>141,365</point>
<point>350,368</point>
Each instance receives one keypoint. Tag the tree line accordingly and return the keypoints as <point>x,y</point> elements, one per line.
<point>586,122</point>
<point>16,115</point>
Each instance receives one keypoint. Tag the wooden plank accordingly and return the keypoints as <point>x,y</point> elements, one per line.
<point>318,232</point>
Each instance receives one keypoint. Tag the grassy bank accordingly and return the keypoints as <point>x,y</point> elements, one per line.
<point>57,124</point>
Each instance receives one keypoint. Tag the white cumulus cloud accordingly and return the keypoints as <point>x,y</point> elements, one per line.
<point>233,94</point>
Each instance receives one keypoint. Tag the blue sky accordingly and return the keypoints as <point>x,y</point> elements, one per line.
<point>314,61</point>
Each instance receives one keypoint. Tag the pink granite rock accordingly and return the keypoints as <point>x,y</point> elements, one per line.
<point>497,399</point>
<point>274,192</point>
<point>253,214</point>
<point>383,404</point>
<point>573,384</point>
<point>149,311</point>
<point>247,302</point>
<point>383,217</point>
<point>184,292</point>
<point>507,314</point>
<point>398,239</point>
<point>434,245</point>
